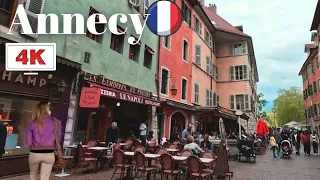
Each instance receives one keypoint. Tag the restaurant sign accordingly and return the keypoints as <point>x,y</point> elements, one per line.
<point>112,93</point>
<point>113,84</point>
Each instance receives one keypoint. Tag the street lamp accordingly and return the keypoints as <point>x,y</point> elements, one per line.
<point>274,115</point>
<point>239,113</point>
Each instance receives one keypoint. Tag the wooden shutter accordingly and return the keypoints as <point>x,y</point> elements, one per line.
<point>232,102</point>
<point>200,29</point>
<point>218,100</point>
<point>231,72</point>
<point>183,11</point>
<point>217,73</point>
<point>245,71</point>
<point>214,99</point>
<point>207,97</point>
<point>246,102</point>
<point>213,71</point>
<point>195,22</point>
<point>244,47</point>
<point>32,8</point>
<point>210,40</point>
<point>198,55</point>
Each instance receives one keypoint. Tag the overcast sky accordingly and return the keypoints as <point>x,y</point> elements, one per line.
<point>279,29</point>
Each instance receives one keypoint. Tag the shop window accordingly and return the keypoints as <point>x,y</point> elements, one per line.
<point>99,27</point>
<point>7,9</point>
<point>134,51</point>
<point>185,50</point>
<point>148,53</point>
<point>164,81</point>
<point>117,41</point>
<point>16,114</point>
<point>184,89</point>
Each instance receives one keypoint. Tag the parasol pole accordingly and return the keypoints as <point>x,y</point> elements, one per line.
<point>239,113</point>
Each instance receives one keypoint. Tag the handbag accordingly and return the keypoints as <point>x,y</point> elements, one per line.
<point>59,163</point>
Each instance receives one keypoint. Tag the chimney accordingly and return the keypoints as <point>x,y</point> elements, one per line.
<point>240,28</point>
<point>213,8</point>
<point>201,2</point>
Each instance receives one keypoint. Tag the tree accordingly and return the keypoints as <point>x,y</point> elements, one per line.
<point>289,105</point>
<point>261,102</point>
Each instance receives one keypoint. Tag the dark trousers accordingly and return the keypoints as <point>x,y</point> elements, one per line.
<point>306,148</point>
<point>315,147</point>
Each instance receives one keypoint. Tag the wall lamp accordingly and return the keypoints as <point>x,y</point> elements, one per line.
<point>173,89</point>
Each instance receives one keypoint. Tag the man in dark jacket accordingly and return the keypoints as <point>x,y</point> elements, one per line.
<point>3,138</point>
<point>112,134</point>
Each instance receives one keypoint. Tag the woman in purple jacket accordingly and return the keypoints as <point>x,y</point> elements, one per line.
<point>42,142</point>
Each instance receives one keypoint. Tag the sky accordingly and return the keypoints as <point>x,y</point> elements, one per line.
<point>279,29</point>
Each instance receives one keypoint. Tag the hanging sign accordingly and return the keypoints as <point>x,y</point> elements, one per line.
<point>90,97</point>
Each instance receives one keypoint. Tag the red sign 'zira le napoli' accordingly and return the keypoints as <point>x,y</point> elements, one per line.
<point>67,23</point>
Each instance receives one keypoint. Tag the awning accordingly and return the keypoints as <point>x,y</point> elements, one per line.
<point>179,105</point>
<point>218,111</point>
<point>113,93</point>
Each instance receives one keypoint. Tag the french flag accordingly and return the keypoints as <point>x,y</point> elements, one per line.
<point>164,18</point>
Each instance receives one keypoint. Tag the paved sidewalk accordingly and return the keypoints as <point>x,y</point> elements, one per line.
<point>265,168</point>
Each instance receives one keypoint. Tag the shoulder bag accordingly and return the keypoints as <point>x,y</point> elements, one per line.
<point>59,161</point>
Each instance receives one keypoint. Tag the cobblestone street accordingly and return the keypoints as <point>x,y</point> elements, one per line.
<point>267,168</point>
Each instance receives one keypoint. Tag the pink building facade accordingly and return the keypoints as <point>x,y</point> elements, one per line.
<point>310,73</point>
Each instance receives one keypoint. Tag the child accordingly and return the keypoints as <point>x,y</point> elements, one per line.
<point>274,146</point>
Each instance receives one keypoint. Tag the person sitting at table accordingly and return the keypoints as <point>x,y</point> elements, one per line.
<point>150,136</point>
<point>193,147</point>
<point>206,145</point>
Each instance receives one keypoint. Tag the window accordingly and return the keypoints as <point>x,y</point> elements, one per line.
<point>99,27</point>
<point>315,110</point>
<point>186,13</point>
<point>315,90</point>
<point>240,102</point>
<point>238,49</point>
<point>184,85</point>
<point>86,57</point>
<point>208,97</point>
<point>164,81</point>
<point>117,41</point>
<point>317,61</point>
<point>167,42</point>
<point>310,92</point>
<point>7,9</point>
<point>238,72</point>
<point>198,25</point>
<point>319,85</point>
<point>198,55</point>
<point>196,93</point>
<point>318,108</point>
<point>134,52</point>
<point>312,67</point>
<point>209,65</point>
<point>185,50</point>
<point>148,52</point>
<point>146,7</point>
<point>218,100</point>
<point>208,38</point>
<point>217,73</point>
<point>214,101</point>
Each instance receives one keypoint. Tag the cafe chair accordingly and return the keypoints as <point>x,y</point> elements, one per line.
<point>195,169</point>
<point>83,160</point>
<point>136,143</point>
<point>167,167</point>
<point>140,166</point>
<point>139,148</point>
<point>109,153</point>
<point>173,146</point>
<point>119,160</point>
<point>209,155</point>
<point>166,145</point>
<point>128,146</point>
<point>183,165</point>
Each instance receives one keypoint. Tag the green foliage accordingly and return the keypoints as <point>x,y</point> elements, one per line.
<point>289,105</point>
<point>261,102</point>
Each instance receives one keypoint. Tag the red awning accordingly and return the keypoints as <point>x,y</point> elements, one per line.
<point>150,50</point>
<point>116,94</point>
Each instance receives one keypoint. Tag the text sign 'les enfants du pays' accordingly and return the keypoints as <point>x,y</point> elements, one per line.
<point>67,23</point>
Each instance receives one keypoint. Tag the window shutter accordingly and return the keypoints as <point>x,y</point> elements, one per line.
<point>200,27</point>
<point>246,102</point>
<point>244,48</point>
<point>232,105</point>
<point>217,73</point>
<point>195,22</point>
<point>231,50</point>
<point>245,72</point>
<point>207,97</point>
<point>189,16</point>
<point>218,100</point>
<point>198,55</point>
<point>210,40</point>
<point>213,71</point>
<point>231,72</point>
<point>214,99</point>
<point>32,8</point>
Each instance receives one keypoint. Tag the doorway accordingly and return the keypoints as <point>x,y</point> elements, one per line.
<point>178,123</point>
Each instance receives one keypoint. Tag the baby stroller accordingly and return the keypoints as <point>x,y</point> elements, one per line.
<point>246,149</point>
<point>286,149</point>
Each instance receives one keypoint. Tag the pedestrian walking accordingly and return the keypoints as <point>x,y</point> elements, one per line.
<point>274,146</point>
<point>305,138</point>
<point>43,135</point>
<point>143,132</point>
<point>3,138</point>
<point>296,139</point>
<point>315,141</point>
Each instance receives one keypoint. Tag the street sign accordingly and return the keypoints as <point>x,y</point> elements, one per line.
<point>30,57</point>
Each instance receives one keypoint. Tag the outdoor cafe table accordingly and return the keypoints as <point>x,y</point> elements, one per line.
<point>203,160</point>
<point>75,146</point>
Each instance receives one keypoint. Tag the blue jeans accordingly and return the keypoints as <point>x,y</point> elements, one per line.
<point>274,148</point>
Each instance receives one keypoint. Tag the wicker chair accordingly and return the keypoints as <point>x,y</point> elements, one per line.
<point>168,169</point>
<point>195,169</point>
<point>119,160</point>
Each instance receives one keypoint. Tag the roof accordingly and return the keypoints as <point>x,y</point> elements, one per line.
<point>316,18</point>
<point>309,46</point>
<point>222,24</point>
<point>314,52</point>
